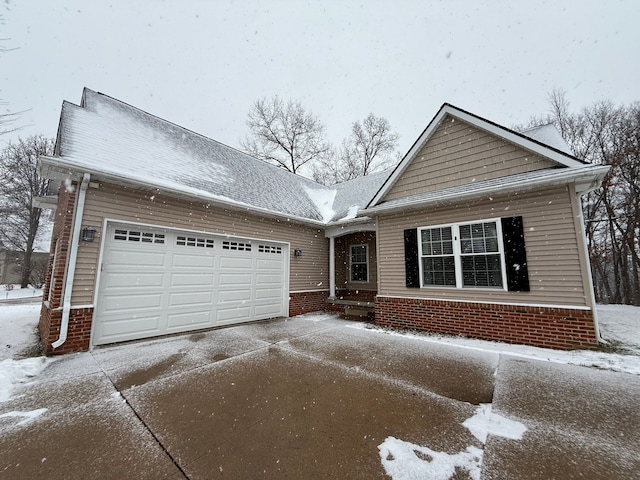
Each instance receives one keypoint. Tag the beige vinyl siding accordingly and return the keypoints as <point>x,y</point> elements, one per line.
<point>342,250</point>
<point>555,260</point>
<point>308,272</point>
<point>459,154</point>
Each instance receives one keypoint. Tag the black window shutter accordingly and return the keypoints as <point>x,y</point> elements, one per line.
<point>411,258</point>
<point>515,256</point>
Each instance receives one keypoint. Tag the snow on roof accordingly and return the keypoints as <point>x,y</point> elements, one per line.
<point>112,138</point>
<point>354,195</point>
<point>549,135</point>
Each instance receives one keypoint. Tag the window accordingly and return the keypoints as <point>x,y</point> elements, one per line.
<point>138,236</point>
<point>269,249</point>
<point>462,255</point>
<point>359,263</point>
<point>240,246</point>
<point>184,241</point>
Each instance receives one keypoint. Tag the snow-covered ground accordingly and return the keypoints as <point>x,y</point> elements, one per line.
<point>10,292</point>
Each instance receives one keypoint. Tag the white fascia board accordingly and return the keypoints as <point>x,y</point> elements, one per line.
<point>57,165</point>
<point>513,137</point>
<point>590,176</point>
<point>495,129</point>
<point>50,202</point>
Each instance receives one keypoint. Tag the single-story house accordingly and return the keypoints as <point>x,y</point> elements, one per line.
<point>477,232</point>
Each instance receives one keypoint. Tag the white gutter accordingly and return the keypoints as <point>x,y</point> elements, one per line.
<point>73,256</point>
<point>47,168</point>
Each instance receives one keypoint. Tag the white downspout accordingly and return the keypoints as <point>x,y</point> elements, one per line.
<point>332,267</point>
<point>73,256</point>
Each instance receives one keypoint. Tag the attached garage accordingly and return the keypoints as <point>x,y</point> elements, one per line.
<point>159,281</point>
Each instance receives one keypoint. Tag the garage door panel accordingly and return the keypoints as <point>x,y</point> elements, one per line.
<point>116,303</point>
<point>141,258</point>
<point>268,279</point>
<point>125,280</point>
<point>191,298</point>
<point>191,279</point>
<point>192,320</point>
<point>268,293</point>
<point>269,264</point>
<point>234,313</point>
<point>243,262</point>
<point>268,310</point>
<point>184,282</point>
<point>235,279</point>
<point>192,260</point>
<point>234,295</point>
<point>130,327</point>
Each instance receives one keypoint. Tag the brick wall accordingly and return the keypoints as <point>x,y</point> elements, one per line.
<point>364,295</point>
<point>78,331</point>
<point>51,311</point>
<point>560,328</point>
<point>306,302</point>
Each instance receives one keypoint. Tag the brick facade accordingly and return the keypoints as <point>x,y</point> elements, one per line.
<point>51,311</point>
<point>559,328</point>
<point>350,294</point>
<point>306,302</point>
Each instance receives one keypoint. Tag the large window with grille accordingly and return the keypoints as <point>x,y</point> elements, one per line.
<point>465,255</point>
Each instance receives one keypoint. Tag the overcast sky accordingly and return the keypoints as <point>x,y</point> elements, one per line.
<point>201,64</point>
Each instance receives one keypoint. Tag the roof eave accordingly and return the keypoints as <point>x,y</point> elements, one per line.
<point>55,168</point>
<point>584,179</point>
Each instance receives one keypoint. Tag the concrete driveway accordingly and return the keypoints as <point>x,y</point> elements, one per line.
<point>316,397</point>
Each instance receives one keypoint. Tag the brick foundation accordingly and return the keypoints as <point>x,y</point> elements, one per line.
<point>78,331</point>
<point>560,328</point>
<point>351,294</point>
<point>306,302</point>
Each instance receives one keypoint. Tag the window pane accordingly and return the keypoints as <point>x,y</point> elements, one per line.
<point>359,253</point>
<point>437,241</point>
<point>438,271</point>
<point>481,271</point>
<point>359,272</point>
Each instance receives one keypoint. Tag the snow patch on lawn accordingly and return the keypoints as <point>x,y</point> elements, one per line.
<point>18,329</point>
<point>15,372</point>
<point>406,461</point>
<point>485,423</point>
<point>9,292</point>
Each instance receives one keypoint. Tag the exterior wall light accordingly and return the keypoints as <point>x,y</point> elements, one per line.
<point>88,234</point>
<point>297,252</point>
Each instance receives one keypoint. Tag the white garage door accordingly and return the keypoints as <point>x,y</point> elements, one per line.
<point>155,281</point>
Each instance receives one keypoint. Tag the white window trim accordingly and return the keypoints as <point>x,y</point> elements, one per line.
<point>457,255</point>
<point>366,262</point>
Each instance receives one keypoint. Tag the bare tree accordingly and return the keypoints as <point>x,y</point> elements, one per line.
<point>369,148</point>
<point>608,135</point>
<point>19,184</point>
<point>285,134</point>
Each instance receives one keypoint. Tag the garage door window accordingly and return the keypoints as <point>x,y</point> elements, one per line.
<point>138,236</point>
<point>241,246</point>
<point>194,242</point>
<point>269,249</point>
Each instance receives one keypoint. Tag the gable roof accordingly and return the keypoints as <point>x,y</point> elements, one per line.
<point>111,139</point>
<point>540,140</point>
